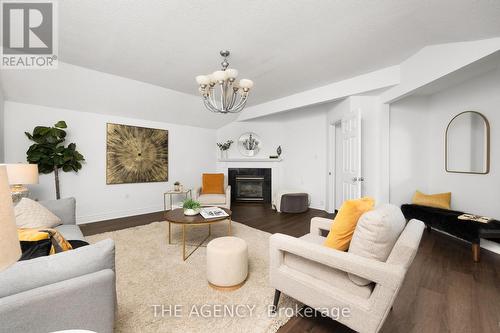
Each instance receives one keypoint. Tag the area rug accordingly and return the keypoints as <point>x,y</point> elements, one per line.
<point>159,292</point>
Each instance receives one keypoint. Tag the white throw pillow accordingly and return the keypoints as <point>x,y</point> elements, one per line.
<point>375,235</point>
<point>30,214</point>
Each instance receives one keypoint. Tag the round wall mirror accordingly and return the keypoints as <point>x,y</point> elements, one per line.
<point>467,144</point>
<point>249,144</point>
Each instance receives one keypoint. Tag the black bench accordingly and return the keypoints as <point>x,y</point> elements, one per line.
<point>447,221</point>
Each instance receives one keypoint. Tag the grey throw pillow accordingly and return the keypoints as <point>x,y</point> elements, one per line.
<point>375,235</point>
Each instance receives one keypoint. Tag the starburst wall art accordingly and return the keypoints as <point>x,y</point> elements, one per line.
<point>136,154</point>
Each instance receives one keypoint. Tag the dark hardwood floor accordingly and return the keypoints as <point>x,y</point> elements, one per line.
<point>444,290</point>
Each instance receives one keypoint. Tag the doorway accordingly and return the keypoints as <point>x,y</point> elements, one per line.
<point>334,166</point>
<point>338,166</point>
<point>344,160</point>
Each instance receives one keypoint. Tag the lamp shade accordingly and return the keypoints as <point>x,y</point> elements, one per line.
<point>22,174</point>
<point>10,248</point>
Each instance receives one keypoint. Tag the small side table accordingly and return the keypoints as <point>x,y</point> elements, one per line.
<point>171,194</point>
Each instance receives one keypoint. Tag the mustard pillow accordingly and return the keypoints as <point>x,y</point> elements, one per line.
<point>439,200</point>
<point>213,183</point>
<point>345,221</point>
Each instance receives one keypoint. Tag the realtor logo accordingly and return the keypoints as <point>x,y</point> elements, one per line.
<point>29,34</point>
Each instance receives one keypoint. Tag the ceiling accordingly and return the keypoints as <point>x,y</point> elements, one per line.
<point>284,46</point>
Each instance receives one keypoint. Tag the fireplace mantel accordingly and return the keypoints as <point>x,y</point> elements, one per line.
<point>229,160</point>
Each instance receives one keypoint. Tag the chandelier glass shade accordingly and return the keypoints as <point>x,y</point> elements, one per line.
<point>221,92</point>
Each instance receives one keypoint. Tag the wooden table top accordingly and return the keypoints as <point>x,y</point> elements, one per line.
<point>177,216</point>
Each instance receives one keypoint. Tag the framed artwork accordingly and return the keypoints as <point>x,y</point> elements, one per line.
<point>136,154</point>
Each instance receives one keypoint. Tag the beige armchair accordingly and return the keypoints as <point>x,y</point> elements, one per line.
<point>219,200</point>
<point>318,276</point>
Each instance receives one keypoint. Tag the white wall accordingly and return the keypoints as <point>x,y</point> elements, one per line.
<point>191,152</point>
<point>305,155</point>
<point>418,127</point>
<point>477,194</point>
<point>409,147</point>
<point>302,135</point>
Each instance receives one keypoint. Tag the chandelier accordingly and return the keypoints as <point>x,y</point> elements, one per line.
<point>220,91</point>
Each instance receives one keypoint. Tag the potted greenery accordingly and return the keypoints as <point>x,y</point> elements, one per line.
<point>191,207</point>
<point>50,152</point>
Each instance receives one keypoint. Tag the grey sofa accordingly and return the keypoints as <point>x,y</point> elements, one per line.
<point>69,290</point>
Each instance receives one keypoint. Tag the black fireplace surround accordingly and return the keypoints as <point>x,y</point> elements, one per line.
<point>250,184</point>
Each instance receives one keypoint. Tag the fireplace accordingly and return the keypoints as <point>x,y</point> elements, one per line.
<point>250,185</point>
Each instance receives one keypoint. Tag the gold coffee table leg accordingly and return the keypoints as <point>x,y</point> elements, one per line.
<point>184,256</point>
<point>229,228</point>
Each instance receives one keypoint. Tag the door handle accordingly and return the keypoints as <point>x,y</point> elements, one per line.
<point>358,179</point>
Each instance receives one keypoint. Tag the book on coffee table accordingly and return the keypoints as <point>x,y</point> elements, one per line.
<point>212,212</point>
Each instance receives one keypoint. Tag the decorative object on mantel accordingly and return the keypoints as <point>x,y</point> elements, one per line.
<point>50,154</point>
<point>224,147</point>
<point>191,207</point>
<point>279,151</point>
<point>20,174</point>
<point>136,154</point>
<point>249,144</point>
<point>233,96</point>
<point>252,159</point>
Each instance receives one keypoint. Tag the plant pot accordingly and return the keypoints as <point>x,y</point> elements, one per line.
<point>177,188</point>
<point>191,212</point>
<point>223,155</point>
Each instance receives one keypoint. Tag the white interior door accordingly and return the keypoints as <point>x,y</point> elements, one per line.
<point>350,173</point>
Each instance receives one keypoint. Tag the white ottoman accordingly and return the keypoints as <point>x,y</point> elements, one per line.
<point>227,263</point>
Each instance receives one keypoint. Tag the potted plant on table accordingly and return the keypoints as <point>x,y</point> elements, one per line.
<point>191,207</point>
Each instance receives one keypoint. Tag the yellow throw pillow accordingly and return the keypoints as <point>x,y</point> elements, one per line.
<point>440,200</point>
<point>213,183</point>
<point>345,221</point>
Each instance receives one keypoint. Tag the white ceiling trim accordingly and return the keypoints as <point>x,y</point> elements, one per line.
<point>382,78</point>
<point>437,61</point>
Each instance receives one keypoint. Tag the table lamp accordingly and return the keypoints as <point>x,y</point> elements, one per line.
<point>19,175</point>
<point>10,248</point>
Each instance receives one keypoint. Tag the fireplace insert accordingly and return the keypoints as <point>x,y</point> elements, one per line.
<point>250,185</point>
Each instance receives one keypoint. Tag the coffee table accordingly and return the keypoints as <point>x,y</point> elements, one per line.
<point>176,216</point>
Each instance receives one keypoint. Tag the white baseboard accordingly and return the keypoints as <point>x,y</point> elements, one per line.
<point>485,244</point>
<point>317,207</point>
<point>116,214</point>
<point>491,246</point>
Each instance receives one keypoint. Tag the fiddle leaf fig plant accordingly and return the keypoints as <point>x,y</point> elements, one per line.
<point>50,153</point>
